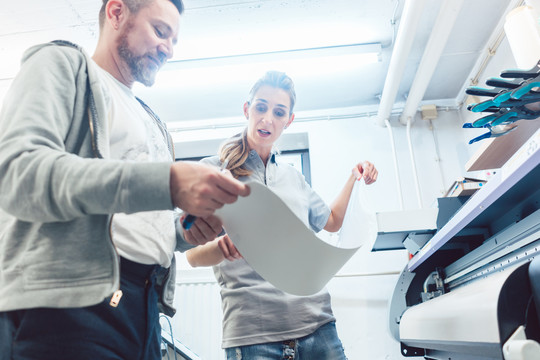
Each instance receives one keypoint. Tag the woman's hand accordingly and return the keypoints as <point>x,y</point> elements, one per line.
<point>213,252</point>
<point>229,251</point>
<point>367,171</point>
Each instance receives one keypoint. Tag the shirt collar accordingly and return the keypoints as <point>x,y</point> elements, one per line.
<point>272,158</point>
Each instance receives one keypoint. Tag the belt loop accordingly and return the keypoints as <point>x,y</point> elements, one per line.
<point>291,347</point>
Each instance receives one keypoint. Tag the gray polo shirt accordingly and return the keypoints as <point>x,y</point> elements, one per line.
<point>254,311</point>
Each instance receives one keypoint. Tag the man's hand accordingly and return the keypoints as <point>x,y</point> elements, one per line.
<point>200,189</point>
<point>203,230</point>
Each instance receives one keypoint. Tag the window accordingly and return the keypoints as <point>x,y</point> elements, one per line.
<point>294,149</point>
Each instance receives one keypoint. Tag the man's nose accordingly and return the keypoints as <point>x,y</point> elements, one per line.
<point>166,49</point>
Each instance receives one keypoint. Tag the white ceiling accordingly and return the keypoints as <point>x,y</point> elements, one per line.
<point>214,28</point>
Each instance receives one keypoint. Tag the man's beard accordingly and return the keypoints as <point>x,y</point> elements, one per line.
<point>138,67</point>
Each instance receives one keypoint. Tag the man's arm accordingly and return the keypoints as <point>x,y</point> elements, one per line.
<point>200,189</point>
<point>42,181</point>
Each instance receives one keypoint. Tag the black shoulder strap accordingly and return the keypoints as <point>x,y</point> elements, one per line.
<point>161,125</point>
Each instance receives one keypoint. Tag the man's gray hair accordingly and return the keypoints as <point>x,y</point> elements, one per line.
<point>135,5</point>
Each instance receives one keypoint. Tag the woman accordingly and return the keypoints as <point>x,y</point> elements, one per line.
<point>260,321</point>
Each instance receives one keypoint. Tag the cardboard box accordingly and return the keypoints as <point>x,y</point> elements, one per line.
<point>464,187</point>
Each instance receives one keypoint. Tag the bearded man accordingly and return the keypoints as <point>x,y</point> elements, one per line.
<point>89,194</point>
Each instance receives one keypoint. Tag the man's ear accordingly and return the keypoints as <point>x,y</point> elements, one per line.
<point>115,13</point>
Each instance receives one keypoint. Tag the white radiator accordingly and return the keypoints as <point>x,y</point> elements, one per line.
<point>197,323</point>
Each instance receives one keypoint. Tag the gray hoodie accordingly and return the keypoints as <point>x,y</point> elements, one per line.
<point>59,187</point>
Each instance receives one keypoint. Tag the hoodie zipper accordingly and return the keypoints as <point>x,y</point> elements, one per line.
<point>117,293</point>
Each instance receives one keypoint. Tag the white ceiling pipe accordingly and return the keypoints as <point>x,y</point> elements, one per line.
<point>434,48</point>
<point>413,165</point>
<point>410,18</point>
<point>396,169</point>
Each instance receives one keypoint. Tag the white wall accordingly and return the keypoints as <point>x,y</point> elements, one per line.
<point>336,146</point>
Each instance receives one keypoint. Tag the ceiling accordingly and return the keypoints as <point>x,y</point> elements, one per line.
<point>218,28</point>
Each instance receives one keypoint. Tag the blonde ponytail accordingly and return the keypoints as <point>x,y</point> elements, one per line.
<point>236,151</point>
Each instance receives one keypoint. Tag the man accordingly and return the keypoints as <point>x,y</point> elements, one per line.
<point>87,193</point>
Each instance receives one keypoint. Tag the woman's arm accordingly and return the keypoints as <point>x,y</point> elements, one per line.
<point>213,252</point>
<point>364,170</point>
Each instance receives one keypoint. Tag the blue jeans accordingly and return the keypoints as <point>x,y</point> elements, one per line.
<point>323,344</point>
<point>130,331</point>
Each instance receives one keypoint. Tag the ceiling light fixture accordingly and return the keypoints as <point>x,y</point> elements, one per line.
<point>296,63</point>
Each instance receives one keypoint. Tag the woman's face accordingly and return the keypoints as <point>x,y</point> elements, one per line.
<point>268,115</point>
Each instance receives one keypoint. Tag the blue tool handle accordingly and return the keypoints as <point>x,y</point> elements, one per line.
<point>481,137</point>
<point>478,91</point>
<point>522,90</point>
<point>497,100</point>
<point>523,74</point>
<point>482,106</point>
<point>188,221</point>
<point>504,118</point>
<point>483,121</point>
<point>502,83</point>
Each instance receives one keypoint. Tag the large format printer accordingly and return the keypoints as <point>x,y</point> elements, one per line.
<point>472,289</point>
